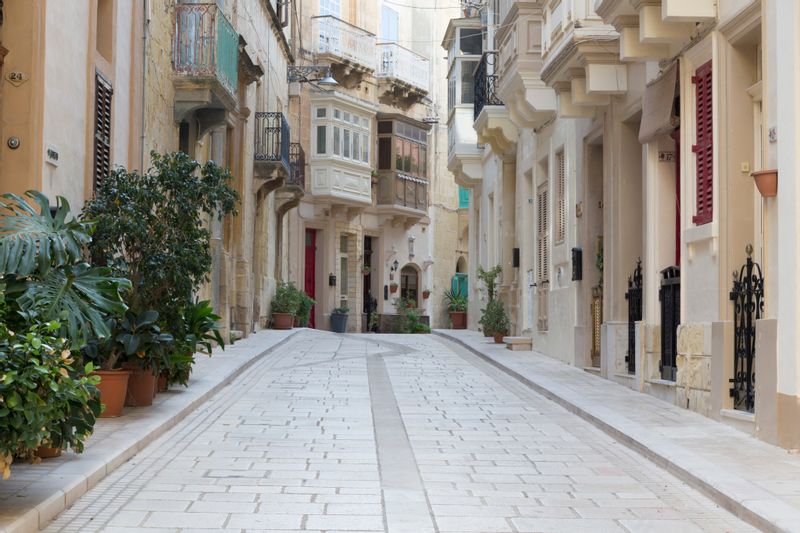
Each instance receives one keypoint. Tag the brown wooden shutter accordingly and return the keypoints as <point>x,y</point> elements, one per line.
<point>704,147</point>
<point>102,130</point>
<point>561,199</point>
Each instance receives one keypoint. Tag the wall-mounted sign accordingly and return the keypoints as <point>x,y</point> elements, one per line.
<point>17,78</point>
<point>773,135</point>
<point>666,157</point>
<point>51,155</point>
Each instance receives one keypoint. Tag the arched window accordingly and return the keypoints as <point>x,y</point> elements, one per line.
<point>409,283</point>
<point>461,265</point>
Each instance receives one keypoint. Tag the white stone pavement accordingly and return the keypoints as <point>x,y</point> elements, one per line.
<point>387,433</point>
<point>755,480</point>
<point>36,493</point>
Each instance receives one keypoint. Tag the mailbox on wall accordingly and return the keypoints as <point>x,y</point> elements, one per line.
<point>577,264</point>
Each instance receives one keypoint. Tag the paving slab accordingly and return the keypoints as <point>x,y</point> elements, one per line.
<point>756,481</point>
<point>35,494</point>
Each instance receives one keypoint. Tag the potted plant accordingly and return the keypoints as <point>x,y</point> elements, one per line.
<point>304,309</point>
<point>393,287</point>
<point>495,320</point>
<point>457,307</point>
<point>489,279</point>
<point>767,182</point>
<point>365,270</point>
<point>410,317</point>
<point>47,404</point>
<point>285,305</point>
<point>339,319</point>
<point>426,294</point>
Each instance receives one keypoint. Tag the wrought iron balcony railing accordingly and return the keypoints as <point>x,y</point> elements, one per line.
<point>343,40</point>
<point>205,44</point>
<point>272,138</point>
<point>400,190</point>
<point>486,83</point>
<point>395,61</point>
<point>297,163</point>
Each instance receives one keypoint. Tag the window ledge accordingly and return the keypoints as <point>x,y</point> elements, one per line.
<point>701,233</point>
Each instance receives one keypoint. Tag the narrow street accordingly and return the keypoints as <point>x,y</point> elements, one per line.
<point>387,433</point>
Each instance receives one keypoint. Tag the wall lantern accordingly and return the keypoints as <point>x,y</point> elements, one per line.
<point>332,280</point>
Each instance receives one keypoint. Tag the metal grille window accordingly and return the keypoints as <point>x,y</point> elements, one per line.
<point>704,146</point>
<point>102,130</point>
<point>561,199</point>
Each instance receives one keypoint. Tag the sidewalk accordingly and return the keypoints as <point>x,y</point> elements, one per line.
<point>35,494</point>
<point>756,481</point>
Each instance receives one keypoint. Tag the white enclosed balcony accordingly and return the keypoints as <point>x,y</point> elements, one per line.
<point>343,43</point>
<point>403,68</point>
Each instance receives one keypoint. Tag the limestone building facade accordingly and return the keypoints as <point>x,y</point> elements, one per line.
<point>611,153</point>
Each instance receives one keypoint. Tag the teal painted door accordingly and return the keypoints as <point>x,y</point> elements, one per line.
<point>459,284</point>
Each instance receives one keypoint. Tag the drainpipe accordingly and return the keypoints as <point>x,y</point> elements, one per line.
<point>145,24</point>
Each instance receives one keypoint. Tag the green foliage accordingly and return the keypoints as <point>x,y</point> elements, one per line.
<point>42,264</point>
<point>456,302</point>
<point>494,318</point>
<point>178,366</point>
<point>197,330</point>
<point>340,310</point>
<point>410,317</point>
<point>140,340</point>
<point>374,322</point>
<point>152,228</point>
<point>287,299</point>
<point>304,310</point>
<point>489,278</point>
<point>44,401</point>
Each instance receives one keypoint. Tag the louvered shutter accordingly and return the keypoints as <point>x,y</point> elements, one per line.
<point>704,147</point>
<point>542,246</point>
<point>102,130</point>
<point>561,199</point>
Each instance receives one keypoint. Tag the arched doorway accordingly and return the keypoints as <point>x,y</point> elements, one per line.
<point>409,283</point>
<point>459,281</point>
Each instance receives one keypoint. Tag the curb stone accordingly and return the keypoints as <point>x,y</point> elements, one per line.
<point>760,510</point>
<point>48,503</point>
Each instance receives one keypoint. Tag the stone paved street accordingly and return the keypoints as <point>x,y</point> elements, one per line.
<point>387,433</point>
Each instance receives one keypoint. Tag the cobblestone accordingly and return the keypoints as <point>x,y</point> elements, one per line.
<point>386,433</point>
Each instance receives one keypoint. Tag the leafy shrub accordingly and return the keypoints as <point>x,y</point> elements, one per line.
<point>197,330</point>
<point>409,317</point>
<point>455,302</point>
<point>304,309</point>
<point>489,278</point>
<point>494,318</point>
<point>44,401</point>
<point>287,299</point>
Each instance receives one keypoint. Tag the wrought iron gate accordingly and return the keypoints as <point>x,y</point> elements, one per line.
<point>596,309</point>
<point>670,297</point>
<point>747,296</point>
<point>634,297</point>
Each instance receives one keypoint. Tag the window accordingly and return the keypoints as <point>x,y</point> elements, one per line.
<point>330,7</point>
<point>561,199</point>
<point>409,283</point>
<point>410,148</point>
<point>321,139</point>
<point>344,271</point>
<point>468,81</point>
<point>102,129</point>
<point>542,245</point>
<point>347,132</point>
<point>389,24</point>
<point>704,147</point>
<point>471,41</point>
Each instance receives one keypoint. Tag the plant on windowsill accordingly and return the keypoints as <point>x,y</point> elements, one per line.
<point>339,319</point>
<point>495,320</point>
<point>457,306</point>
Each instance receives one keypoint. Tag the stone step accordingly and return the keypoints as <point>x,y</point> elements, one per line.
<point>518,343</point>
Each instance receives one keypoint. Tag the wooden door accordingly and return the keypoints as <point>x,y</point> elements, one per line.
<point>311,270</point>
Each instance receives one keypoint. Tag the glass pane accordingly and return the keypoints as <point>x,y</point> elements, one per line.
<point>321,134</point>
<point>365,149</point>
<point>336,141</point>
<point>384,153</point>
<point>346,116</point>
<point>346,147</point>
<point>414,159</point>
<point>471,41</point>
<point>343,243</point>
<point>398,154</point>
<point>384,126</point>
<point>344,276</point>
<point>423,161</point>
<point>321,111</point>
<point>468,81</point>
<point>356,147</point>
<point>337,113</point>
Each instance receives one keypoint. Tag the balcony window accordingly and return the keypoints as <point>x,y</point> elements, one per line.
<point>470,41</point>
<point>461,82</point>
<point>410,148</point>
<point>347,134</point>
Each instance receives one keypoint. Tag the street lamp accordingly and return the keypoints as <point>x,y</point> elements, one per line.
<point>302,74</point>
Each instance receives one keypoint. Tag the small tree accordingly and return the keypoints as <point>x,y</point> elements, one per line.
<point>489,278</point>
<point>151,228</point>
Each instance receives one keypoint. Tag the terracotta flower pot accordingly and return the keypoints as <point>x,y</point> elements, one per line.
<point>426,295</point>
<point>113,389</point>
<point>282,320</point>
<point>393,288</point>
<point>767,182</point>
<point>162,385</point>
<point>498,337</point>
<point>141,386</point>
<point>43,452</point>
<point>458,319</point>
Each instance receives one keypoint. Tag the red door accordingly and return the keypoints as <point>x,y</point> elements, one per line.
<point>311,270</point>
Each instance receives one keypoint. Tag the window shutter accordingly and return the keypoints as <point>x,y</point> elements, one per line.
<point>102,130</point>
<point>704,147</point>
<point>542,246</point>
<point>561,199</point>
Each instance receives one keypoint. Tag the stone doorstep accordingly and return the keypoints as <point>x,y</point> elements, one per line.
<point>736,494</point>
<point>42,504</point>
<point>518,343</point>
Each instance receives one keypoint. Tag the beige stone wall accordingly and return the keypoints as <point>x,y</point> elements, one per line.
<point>693,383</point>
